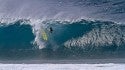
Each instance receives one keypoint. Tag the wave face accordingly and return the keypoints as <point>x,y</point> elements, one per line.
<point>69,39</point>
<point>16,36</point>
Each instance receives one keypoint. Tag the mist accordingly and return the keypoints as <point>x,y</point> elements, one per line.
<point>63,9</point>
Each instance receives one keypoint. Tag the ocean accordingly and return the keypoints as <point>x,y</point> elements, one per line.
<point>62,34</point>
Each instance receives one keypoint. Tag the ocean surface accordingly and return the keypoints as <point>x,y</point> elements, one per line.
<point>80,44</point>
<point>85,35</point>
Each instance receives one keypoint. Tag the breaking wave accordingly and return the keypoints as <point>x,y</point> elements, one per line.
<point>81,38</point>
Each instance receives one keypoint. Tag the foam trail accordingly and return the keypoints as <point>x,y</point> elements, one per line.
<point>109,66</point>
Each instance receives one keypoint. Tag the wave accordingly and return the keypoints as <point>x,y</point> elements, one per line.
<point>81,38</point>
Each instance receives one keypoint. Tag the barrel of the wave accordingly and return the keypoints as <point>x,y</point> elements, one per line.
<point>44,35</point>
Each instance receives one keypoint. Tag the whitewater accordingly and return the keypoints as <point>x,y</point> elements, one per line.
<point>62,66</point>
